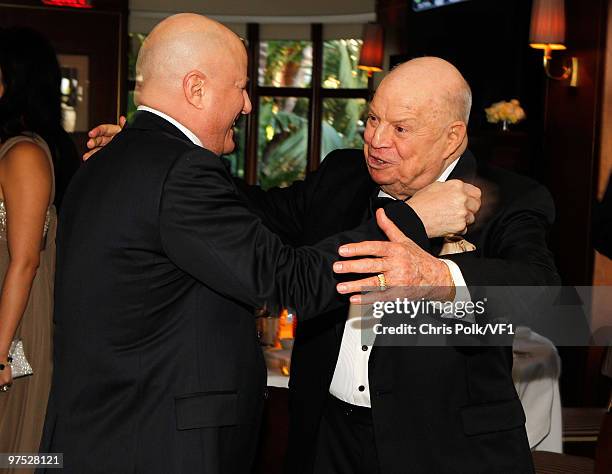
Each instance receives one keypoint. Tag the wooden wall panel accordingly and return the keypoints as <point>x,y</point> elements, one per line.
<point>603,265</point>
<point>571,140</point>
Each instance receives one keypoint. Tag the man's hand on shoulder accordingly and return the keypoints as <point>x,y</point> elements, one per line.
<point>446,208</point>
<point>101,136</point>
<point>408,270</point>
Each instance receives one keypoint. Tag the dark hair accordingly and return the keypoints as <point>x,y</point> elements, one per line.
<point>31,76</point>
<point>32,99</point>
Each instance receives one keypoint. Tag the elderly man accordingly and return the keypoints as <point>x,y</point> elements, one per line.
<point>157,365</point>
<point>395,410</point>
<point>361,409</point>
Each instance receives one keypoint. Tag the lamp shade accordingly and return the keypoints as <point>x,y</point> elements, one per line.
<point>547,24</point>
<point>372,49</point>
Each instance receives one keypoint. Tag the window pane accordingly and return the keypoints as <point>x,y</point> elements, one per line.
<point>340,60</point>
<point>343,124</point>
<point>236,158</point>
<point>285,63</point>
<point>282,139</point>
<point>135,42</point>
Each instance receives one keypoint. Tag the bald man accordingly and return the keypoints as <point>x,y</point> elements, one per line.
<point>358,409</point>
<point>157,368</point>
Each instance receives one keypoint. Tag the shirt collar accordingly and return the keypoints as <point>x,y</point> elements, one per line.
<point>443,177</point>
<point>446,173</point>
<point>188,133</point>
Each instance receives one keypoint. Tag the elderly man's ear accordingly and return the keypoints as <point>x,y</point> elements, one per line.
<point>457,134</point>
<point>194,88</point>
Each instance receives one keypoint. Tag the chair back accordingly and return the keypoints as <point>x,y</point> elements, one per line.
<point>603,453</point>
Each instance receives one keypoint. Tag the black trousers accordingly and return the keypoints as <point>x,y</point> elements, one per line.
<point>346,443</point>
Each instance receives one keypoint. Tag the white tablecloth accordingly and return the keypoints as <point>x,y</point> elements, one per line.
<point>276,379</point>
<point>535,373</point>
<point>274,359</point>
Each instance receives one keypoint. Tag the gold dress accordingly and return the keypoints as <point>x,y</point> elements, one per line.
<point>22,408</point>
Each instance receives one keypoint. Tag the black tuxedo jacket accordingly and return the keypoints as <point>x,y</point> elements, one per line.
<point>435,409</point>
<point>159,264</point>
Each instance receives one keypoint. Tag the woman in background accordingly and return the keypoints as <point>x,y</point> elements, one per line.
<point>34,149</point>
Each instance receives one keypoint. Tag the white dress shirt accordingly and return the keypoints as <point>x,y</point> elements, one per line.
<point>188,133</point>
<point>350,382</point>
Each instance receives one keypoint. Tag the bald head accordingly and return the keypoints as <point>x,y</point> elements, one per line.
<point>435,83</point>
<point>182,43</point>
<point>194,70</point>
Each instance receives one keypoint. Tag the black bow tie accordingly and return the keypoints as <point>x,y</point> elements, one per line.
<point>379,202</point>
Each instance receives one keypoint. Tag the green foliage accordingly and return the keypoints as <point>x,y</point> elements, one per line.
<point>340,60</point>
<point>283,62</point>
<point>135,42</point>
<point>236,158</point>
<point>131,107</point>
<point>282,153</point>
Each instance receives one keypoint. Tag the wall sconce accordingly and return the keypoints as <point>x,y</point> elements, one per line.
<point>372,49</point>
<point>548,33</point>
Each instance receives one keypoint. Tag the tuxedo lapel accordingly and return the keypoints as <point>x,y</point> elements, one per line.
<point>465,170</point>
<point>358,208</point>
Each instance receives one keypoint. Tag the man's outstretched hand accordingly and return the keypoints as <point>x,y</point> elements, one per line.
<point>409,271</point>
<point>101,136</point>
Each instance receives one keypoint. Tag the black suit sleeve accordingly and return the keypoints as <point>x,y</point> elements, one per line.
<point>516,252</point>
<point>281,209</point>
<point>207,230</point>
<point>284,210</point>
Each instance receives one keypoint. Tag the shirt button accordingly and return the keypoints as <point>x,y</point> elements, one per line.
<point>361,388</point>
<point>364,348</point>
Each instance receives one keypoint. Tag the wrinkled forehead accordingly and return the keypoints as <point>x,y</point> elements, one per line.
<point>401,102</point>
